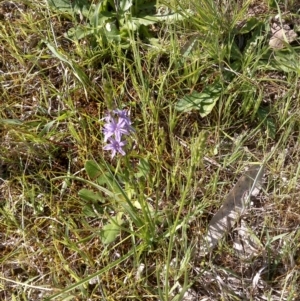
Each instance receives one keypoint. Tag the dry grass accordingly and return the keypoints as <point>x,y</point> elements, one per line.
<point>51,246</point>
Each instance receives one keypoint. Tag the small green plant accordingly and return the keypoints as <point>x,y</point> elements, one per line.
<point>117,188</point>
<point>116,191</point>
<point>242,52</point>
<point>114,21</point>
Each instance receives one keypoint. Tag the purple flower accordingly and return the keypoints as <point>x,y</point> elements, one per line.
<point>123,115</point>
<point>115,127</point>
<point>115,146</point>
<point>117,123</point>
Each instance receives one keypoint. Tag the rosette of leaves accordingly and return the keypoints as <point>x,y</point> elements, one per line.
<point>114,20</point>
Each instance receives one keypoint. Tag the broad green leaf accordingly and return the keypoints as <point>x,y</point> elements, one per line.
<point>159,18</point>
<point>105,178</point>
<point>62,5</point>
<point>98,20</point>
<point>145,21</point>
<point>142,9</point>
<point>92,210</point>
<point>76,6</point>
<point>131,25</point>
<point>112,32</point>
<point>110,231</point>
<point>93,169</point>
<point>108,180</point>
<point>90,196</point>
<point>204,101</point>
<point>143,168</point>
<point>79,32</point>
<point>255,42</point>
<point>250,25</point>
<point>287,61</point>
<point>130,191</point>
<point>272,3</point>
<point>125,5</point>
<point>235,55</point>
<point>88,211</point>
<point>138,205</point>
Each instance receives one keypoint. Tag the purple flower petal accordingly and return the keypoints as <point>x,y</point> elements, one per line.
<point>115,146</point>
<point>116,128</point>
<point>123,115</point>
<point>117,123</point>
